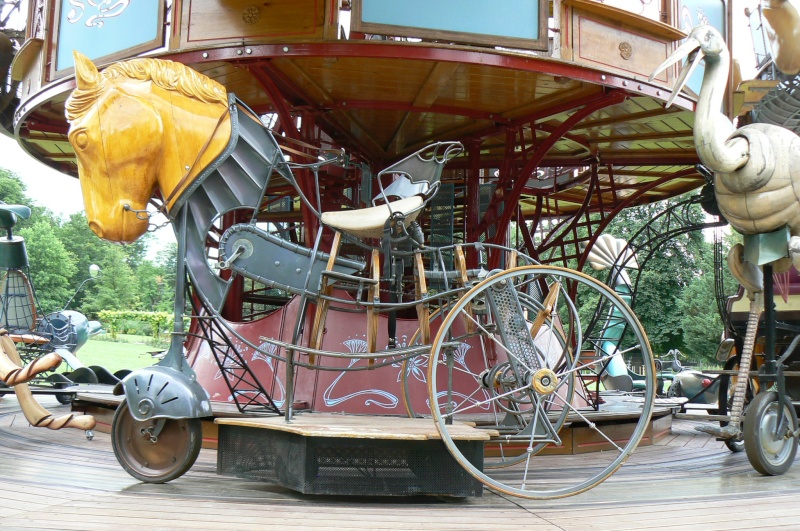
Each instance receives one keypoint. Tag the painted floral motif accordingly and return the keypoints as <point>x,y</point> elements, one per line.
<point>377,397</point>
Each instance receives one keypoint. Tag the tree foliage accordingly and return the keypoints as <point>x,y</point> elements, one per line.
<point>52,268</point>
<point>61,251</point>
<point>675,298</point>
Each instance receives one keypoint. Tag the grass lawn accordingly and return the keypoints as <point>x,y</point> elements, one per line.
<point>131,352</point>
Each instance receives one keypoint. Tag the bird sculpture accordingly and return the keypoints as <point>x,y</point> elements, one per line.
<point>756,181</point>
<point>756,167</point>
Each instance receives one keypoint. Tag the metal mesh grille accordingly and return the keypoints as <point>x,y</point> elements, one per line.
<point>18,310</point>
<point>781,106</point>
<point>346,466</point>
<point>442,216</point>
<point>511,322</point>
<point>442,228</point>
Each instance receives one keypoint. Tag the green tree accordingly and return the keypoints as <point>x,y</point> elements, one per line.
<point>115,288</point>
<point>12,190</point>
<point>51,265</point>
<point>670,270</point>
<point>167,263</point>
<point>89,249</point>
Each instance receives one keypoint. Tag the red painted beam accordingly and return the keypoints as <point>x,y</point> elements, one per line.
<point>521,178</point>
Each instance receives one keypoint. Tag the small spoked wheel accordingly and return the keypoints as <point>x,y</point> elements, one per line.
<point>515,358</point>
<point>768,429</point>
<point>155,450</point>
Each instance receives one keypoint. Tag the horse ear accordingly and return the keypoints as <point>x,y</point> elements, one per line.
<point>86,74</point>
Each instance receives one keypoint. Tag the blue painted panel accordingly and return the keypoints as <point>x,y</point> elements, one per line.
<point>502,18</point>
<point>104,28</point>
<point>694,13</point>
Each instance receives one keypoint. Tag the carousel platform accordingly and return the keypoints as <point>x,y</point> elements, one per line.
<point>577,437</point>
<point>61,480</point>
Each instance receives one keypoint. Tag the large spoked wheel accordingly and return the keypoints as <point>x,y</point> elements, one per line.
<point>509,357</point>
<point>156,450</point>
<point>767,434</point>
<point>484,365</point>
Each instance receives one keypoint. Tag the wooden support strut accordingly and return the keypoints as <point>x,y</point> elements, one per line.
<point>421,292</point>
<point>318,328</point>
<point>372,311</point>
<point>35,414</point>
<point>463,280</point>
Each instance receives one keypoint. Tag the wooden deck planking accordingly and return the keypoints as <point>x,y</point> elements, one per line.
<point>360,427</point>
<point>59,480</point>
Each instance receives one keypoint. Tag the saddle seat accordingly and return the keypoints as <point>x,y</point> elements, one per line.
<point>369,222</point>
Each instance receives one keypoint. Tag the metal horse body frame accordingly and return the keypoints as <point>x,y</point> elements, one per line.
<point>507,345</point>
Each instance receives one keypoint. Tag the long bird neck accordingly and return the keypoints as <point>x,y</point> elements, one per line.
<point>712,128</point>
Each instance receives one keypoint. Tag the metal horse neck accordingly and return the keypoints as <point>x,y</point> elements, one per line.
<point>236,180</point>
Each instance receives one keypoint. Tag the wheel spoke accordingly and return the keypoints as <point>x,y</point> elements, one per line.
<point>495,398</point>
<point>591,424</point>
<point>496,341</point>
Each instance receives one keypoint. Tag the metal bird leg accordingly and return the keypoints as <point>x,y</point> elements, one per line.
<point>733,429</point>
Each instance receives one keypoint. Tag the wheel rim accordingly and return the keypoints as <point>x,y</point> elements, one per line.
<point>158,458</point>
<point>539,415</point>
<point>776,451</point>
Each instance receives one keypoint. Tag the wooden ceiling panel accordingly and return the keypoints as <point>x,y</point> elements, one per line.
<point>384,106</point>
<point>347,79</point>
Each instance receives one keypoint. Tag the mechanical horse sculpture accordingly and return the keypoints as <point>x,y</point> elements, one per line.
<point>502,348</point>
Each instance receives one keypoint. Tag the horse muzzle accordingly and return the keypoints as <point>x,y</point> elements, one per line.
<point>121,227</point>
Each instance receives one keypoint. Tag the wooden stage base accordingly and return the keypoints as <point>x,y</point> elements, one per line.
<point>577,438</point>
<point>352,455</point>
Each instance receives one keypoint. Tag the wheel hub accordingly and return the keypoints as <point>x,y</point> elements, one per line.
<point>545,381</point>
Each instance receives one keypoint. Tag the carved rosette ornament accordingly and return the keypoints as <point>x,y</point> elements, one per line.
<point>625,50</point>
<point>251,14</point>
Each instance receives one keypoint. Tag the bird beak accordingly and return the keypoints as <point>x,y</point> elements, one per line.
<point>690,48</point>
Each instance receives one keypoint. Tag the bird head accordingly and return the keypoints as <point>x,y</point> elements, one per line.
<point>703,42</point>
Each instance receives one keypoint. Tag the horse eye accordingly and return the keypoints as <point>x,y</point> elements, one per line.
<point>81,140</point>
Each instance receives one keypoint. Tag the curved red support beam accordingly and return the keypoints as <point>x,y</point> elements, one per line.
<point>606,100</point>
<point>628,201</point>
<point>286,119</point>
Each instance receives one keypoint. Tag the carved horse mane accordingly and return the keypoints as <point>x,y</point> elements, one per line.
<point>167,75</point>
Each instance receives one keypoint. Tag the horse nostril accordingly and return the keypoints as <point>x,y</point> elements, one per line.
<point>96,228</point>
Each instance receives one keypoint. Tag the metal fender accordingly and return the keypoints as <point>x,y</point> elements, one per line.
<point>163,392</point>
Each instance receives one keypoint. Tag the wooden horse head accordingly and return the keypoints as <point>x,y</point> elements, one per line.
<point>136,127</point>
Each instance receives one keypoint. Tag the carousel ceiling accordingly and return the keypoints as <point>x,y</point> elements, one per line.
<point>547,121</point>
